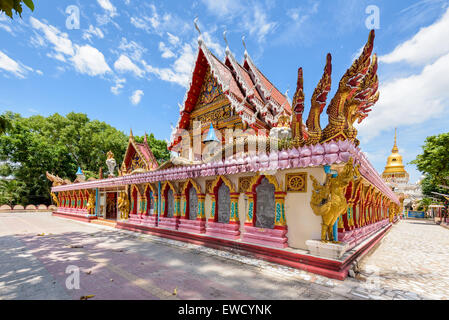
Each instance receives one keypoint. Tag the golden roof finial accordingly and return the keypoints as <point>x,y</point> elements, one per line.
<point>395,146</point>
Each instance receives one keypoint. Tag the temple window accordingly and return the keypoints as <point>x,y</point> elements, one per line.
<point>149,200</point>
<point>223,204</point>
<point>134,201</point>
<point>170,204</point>
<point>193,203</point>
<point>265,204</point>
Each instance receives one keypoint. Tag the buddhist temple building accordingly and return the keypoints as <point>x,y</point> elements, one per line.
<point>248,173</point>
<point>397,178</point>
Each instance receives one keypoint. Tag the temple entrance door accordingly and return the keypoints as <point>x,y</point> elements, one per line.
<point>111,205</point>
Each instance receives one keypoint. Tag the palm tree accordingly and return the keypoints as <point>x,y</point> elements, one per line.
<point>10,191</point>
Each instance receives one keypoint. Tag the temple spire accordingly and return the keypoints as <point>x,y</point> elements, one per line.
<point>395,146</point>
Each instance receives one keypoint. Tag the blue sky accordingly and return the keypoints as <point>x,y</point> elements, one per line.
<point>129,62</point>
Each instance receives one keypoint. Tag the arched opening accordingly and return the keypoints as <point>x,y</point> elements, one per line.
<point>192,201</point>
<point>73,200</point>
<point>134,201</point>
<point>61,199</point>
<point>265,204</point>
<point>169,217</point>
<point>169,203</point>
<point>85,199</point>
<point>80,200</point>
<point>265,218</point>
<point>223,203</point>
<point>150,202</point>
<point>193,208</point>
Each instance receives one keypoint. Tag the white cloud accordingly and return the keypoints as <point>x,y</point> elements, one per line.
<point>181,69</point>
<point>90,61</point>
<point>86,59</point>
<point>12,66</point>
<point>174,40</point>
<point>259,24</point>
<point>108,6</point>
<point>154,22</point>
<point>421,96</point>
<point>224,8</point>
<point>132,49</point>
<point>136,97</point>
<point>424,47</point>
<point>212,44</point>
<point>6,28</point>
<point>410,100</point>
<point>249,15</point>
<point>119,84</point>
<point>166,52</point>
<point>124,64</point>
<point>93,31</point>
<point>58,39</point>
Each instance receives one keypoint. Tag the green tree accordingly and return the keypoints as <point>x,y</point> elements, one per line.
<point>60,144</point>
<point>434,163</point>
<point>15,6</point>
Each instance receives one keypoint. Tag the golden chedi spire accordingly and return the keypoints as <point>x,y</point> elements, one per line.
<point>394,170</point>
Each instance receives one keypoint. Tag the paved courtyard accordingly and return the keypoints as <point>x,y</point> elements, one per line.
<point>40,256</point>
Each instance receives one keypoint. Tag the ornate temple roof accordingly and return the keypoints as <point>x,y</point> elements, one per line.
<point>255,99</point>
<point>142,150</point>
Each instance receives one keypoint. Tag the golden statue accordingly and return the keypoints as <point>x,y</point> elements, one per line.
<point>55,199</point>
<point>392,212</point>
<point>123,204</point>
<point>110,155</point>
<point>329,201</point>
<point>91,203</point>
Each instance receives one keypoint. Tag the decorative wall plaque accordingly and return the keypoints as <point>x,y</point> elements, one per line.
<point>296,182</point>
<point>244,183</point>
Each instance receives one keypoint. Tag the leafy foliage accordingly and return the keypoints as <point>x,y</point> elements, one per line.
<point>11,192</point>
<point>5,125</point>
<point>424,204</point>
<point>434,163</point>
<point>15,6</point>
<point>59,145</point>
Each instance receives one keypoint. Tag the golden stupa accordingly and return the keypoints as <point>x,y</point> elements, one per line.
<point>394,170</point>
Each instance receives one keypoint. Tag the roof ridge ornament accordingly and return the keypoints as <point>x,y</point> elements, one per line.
<point>200,37</point>
<point>244,45</point>
<point>227,51</point>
